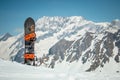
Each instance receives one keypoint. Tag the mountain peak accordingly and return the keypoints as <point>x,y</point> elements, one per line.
<point>5,36</point>
<point>76,17</point>
<point>116,23</point>
<point>47,23</point>
<point>59,18</point>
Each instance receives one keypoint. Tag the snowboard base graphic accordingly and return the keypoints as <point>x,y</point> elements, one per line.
<point>29,37</point>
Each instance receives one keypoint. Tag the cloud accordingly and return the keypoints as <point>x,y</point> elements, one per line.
<point>18,30</point>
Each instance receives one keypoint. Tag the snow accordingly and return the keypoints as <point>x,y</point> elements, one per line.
<point>70,28</point>
<point>15,71</point>
<point>4,50</point>
<point>43,46</point>
<point>104,24</point>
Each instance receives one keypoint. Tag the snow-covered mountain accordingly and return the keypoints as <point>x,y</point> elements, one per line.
<point>70,39</point>
<point>5,37</point>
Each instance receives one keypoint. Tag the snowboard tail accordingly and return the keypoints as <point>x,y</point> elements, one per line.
<point>29,37</point>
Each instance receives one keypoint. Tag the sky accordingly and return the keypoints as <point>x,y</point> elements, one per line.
<point>14,12</point>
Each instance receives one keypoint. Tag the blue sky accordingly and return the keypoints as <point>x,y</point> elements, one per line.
<point>14,12</point>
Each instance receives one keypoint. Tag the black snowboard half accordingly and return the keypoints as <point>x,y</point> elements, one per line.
<point>29,27</point>
<point>29,30</point>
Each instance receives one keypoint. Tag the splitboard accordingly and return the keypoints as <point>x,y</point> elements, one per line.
<point>29,37</point>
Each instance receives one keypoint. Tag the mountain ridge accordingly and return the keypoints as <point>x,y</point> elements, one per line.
<point>69,39</point>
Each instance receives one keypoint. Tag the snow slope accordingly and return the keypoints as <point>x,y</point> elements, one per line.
<point>11,46</point>
<point>15,71</point>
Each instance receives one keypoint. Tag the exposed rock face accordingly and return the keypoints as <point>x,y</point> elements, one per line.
<point>117,43</point>
<point>101,54</point>
<point>75,51</point>
<point>59,49</point>
<point>89,49</point>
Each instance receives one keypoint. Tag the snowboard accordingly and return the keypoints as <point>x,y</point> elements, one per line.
<point>29,38</point>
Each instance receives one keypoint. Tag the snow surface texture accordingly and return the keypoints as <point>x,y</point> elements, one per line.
<point>76,44</point>
<point>15,71</point>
